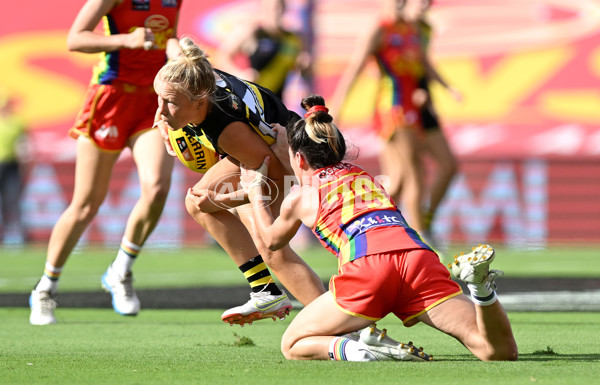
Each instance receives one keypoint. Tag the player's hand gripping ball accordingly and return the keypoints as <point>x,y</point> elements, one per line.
<point>190,150</point>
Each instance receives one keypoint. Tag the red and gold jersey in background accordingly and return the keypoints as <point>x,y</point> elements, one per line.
<point>356,215</point>
<point>137,66</point>
<point>400,59</point>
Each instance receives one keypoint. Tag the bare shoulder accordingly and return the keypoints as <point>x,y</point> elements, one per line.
<point>302,203</point>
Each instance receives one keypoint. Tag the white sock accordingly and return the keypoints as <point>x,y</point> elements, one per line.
<point>345,349</point>
<point>126,257</point>
<point>47,284</point>
<point>482,294</point>
<point>49,281</point>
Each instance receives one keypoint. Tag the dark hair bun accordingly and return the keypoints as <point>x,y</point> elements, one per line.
<point>312,100</point>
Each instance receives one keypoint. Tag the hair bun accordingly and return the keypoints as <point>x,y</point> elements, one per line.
<point>315,109</point>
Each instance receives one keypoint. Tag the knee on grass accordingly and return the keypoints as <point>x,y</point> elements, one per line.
<point>506,352</point>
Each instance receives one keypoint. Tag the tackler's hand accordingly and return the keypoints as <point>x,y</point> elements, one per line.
<point>281,148</point>
<point>254,178</point>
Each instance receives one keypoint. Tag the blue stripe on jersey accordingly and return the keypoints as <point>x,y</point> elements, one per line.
<point>111,59</point>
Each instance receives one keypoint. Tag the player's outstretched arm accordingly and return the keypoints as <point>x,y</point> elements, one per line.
<point>274,232</point>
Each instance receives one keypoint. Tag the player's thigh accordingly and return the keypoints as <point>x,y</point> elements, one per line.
<point>93,170</point>
<point>154,165</point>
<point>455,316</point>
<point>322,317</point>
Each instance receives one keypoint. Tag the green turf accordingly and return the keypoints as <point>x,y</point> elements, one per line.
<point>192,267</point>
<point>184,347</point>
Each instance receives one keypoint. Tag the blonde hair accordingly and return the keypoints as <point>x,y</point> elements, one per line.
<point>191,72</point>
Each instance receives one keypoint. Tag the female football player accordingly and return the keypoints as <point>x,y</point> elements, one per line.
<point>132,49</point>
<point>233,116</point>
<point>384,267</point>
<point>395,45</point>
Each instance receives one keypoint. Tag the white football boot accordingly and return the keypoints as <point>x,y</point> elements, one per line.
<point>260,306</point>
<point>124,299</point>
<point>384,348</point>
<point>473,267</point>
<point>42,304</point>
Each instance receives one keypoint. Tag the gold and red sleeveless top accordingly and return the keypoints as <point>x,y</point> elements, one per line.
<point>400,58</point>
<point>357,217</point>
<point>137,66</point>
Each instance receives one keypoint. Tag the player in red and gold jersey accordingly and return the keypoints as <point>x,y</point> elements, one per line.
<point>395,45</point>
<point>384,266</point>
<point>357,217</point>
<point>118,112</point>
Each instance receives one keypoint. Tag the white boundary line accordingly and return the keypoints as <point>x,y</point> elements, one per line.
<point>552,301</point>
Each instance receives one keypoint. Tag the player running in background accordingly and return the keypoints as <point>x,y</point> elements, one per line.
<point>395,45</point>
<point>138,38</point>
<point>231,115</point>
<point>266,53</point>
<point>435,141</point>
<point>13,140</point>
<point>384,267</point>
<point>271,51</point>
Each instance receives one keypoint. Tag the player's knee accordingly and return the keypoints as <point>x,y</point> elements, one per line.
<point>195,211</point>
<point>504,352</point>
<point>156,193</point>
<point>286,347</point>
<point>508,352</point>
<point>285,350</point>
<point>85,211</point>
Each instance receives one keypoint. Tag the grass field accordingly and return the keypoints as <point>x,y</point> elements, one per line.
<point>194,347</point>
<point>162,268</point>
<point>97,346</point>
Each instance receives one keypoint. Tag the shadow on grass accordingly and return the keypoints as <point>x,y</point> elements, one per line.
<point>537,356</point>
<point>591,357</point>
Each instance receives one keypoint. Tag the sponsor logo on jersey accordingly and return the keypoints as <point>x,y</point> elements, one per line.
<point>107,132</point>
<point>374,219</point>
<point>157,23</point>
<point>235,102</point>
<point>183,148</point>
<point>197,149</point>
<point>140,5</point>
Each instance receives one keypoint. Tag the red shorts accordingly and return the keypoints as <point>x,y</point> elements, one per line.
<point>111,114</point>
<point>387,122</point>
<point>406,283</point>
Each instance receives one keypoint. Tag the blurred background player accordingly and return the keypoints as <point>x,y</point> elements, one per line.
<point>232,115</point>
<point>435,143</point>
<point>264,51</point>
<point>12,153</point>
<point>395,45</point>
<point>267,53</point>
<point>117,113</point>
<point>383,266</point>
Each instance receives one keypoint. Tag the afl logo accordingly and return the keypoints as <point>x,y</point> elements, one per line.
<point>157,23</point>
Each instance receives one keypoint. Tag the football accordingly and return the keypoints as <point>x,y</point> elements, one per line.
<point>194,151</point>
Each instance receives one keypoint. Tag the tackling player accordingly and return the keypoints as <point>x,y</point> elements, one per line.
<point>384,267</point>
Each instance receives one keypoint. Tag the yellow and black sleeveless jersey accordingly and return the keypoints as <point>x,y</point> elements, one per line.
<point>237,100</point>
<point>275,57</point>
